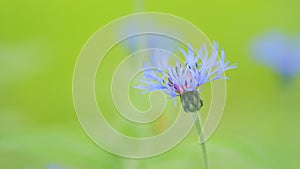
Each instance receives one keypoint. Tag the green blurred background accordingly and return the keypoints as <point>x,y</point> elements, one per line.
<point>39,45</point>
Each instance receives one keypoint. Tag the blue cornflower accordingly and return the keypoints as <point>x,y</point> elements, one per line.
<point>184,80</point>
<point>147,40</point>
<point>53,167</point>
<point>279,52</point>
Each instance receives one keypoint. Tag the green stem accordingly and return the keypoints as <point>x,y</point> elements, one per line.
<point>198,125</point>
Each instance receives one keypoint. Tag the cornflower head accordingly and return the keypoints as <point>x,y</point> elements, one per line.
<point>278,52</point>
<point>53,167</point>
<point>184,80</point>
<point>148,40</point>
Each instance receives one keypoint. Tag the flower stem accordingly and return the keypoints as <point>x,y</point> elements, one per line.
<point>198,125</point>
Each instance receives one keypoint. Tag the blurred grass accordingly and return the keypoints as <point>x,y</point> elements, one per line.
<point>39,44</point>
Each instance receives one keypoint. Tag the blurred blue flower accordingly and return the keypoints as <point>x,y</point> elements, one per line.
<point>147,40</point>
<point>54,167</point>
<point>279,52</point>
<point>184,80</point>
